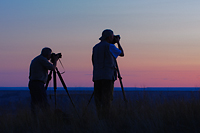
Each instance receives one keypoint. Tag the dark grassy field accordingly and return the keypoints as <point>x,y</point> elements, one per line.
<point>142,115</point>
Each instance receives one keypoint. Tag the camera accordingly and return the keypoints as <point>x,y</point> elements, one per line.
<point>58,54</point>
<point>115,39</point>
<point>53,55</point>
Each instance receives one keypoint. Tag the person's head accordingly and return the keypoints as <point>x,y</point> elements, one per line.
<point>107,35</point>
<point>46,52</point>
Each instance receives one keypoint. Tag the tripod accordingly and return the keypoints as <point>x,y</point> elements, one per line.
<point>55,85</point>
<point>120,80</point>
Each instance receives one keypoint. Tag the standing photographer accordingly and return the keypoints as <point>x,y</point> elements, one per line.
<point>38,76</point>
<point>104,70</point>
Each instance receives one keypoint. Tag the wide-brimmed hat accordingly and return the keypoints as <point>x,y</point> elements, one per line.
<point>106,33</point>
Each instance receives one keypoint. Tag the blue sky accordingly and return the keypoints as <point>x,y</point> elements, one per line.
<point>160,38</point>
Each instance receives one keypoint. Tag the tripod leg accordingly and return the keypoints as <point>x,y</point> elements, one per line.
<point>65,87</point>
<point>90,98</point>
<point>88,103</point>
<point>55,85</point>
<point>49,78</point>
<point>120,80</point>
<point>123,90</point>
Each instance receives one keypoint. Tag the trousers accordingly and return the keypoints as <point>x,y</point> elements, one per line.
<point>103,96</point>
<point>38,96</point>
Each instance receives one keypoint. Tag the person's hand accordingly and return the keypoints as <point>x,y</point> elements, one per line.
<point>54,58</point>
<point>117,38</point>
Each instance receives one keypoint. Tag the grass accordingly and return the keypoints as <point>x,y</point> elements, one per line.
<point>143,115</point>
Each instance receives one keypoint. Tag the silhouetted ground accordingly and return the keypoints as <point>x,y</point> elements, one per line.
<point>144,112</point>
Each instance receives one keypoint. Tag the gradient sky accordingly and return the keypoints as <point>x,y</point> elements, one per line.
<point>160,38</point>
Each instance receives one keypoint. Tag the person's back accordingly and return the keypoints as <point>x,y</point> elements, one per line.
<point>103,62</point>
<point>39,68</point>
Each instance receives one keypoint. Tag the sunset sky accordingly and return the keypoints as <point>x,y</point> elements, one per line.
<point>160,38</point>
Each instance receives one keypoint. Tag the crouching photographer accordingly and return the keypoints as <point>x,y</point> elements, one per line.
<point>38,76</point>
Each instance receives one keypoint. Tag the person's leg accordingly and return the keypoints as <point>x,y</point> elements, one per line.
<point>44,105</point>
<point>38,96</point>
<point>33,87</point>
<point>98,96</point>
<point>108,87</point>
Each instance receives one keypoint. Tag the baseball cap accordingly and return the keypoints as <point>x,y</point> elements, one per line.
<point>106,33</point>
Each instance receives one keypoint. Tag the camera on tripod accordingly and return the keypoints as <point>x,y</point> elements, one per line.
<point>115,39</point>
<point>53,55</point>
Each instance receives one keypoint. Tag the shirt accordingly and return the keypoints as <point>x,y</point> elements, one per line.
<point>103,59</point>
<point>114,50</point>
<point>39,68</point>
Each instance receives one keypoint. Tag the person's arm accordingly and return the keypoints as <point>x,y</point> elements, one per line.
<point>115,51</point>
<point>119,46</point>
<point>48,65</point>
